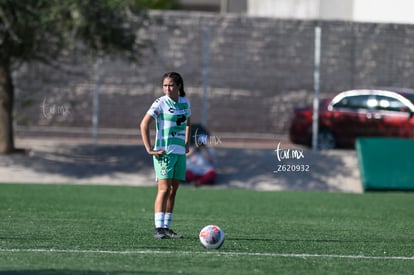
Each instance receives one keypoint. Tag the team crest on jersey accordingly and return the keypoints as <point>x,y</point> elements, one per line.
<point>163,171</point>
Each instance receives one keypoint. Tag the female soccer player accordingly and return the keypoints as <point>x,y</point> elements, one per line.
<point>171,113</point>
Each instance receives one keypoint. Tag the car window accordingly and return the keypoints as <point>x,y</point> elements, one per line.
<point>387,103</point>
<point>410,97</point>
<point>353,102</point>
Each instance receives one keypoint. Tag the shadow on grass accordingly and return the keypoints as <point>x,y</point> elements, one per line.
<point>308,170</point>
<point>84,161</point>
<point>252,168</point>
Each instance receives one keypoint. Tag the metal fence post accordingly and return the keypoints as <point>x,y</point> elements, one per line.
<point>95,114</point>
<point>316,84</point>
<point>205,71</point>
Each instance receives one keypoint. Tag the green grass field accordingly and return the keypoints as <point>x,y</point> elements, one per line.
<point>69,229</point>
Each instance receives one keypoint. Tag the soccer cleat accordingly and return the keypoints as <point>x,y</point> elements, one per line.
<point>160,233</point>
<point>171,234</point>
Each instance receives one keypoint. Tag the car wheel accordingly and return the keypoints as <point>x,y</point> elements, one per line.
<point>326,140</point>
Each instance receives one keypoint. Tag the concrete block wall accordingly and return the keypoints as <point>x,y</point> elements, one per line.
<point>260,69</point>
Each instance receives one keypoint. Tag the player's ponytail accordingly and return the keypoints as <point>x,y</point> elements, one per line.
<point>178,80</point>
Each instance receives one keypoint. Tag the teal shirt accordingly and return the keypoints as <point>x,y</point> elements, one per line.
<point>171,121</point>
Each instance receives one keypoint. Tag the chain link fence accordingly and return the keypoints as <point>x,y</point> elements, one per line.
<point>243,75</point>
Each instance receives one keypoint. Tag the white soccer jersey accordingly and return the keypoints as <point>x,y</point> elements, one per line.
<point>171,121</point>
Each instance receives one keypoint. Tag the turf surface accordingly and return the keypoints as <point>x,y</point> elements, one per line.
<point>72,229</point>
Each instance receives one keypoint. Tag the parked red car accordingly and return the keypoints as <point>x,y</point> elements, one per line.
<point>356,113</point>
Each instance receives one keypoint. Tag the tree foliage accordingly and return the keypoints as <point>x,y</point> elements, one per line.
<point>43,30</point>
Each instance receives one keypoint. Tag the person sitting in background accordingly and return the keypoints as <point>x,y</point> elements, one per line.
<point>201,162</point>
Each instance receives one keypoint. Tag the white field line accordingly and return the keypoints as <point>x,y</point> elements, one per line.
<point>218,253</point>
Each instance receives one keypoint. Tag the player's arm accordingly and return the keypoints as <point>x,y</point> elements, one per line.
<point>187,135</point>
<point>145,135</point>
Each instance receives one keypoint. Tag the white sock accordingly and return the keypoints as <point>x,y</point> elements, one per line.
<point>167,220</point>
<point>159,219</point>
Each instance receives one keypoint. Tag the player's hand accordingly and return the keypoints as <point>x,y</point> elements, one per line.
<point>156,152</point>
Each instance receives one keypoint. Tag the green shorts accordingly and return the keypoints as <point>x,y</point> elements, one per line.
<point>170,166</point>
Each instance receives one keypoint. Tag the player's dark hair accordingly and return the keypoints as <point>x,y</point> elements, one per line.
<point>178,80</point>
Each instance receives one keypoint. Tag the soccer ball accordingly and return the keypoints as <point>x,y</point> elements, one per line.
<point>211,237</point>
